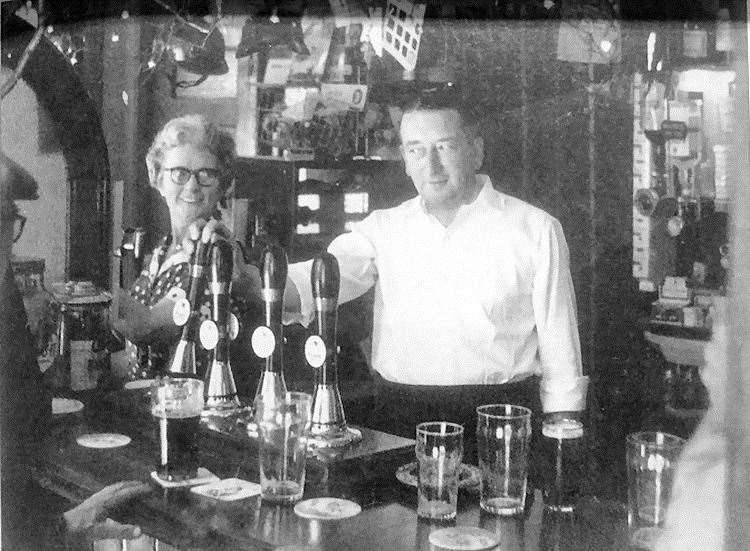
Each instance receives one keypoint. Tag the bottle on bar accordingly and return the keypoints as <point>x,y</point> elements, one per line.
<point>186,314</point>
<point>328,423</point>
<point>268,339</point>
<point>216,334</point>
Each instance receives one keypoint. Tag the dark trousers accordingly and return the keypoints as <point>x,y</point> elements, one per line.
<point>399,408</point>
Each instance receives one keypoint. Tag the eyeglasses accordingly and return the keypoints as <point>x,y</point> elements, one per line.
<point>18,225</point>
<point>446,149</point>
<point>205,177</point>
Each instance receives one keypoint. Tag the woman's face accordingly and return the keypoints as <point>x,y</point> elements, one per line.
<point>198,195</point>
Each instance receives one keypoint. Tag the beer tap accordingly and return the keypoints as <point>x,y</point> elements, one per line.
<point>328,427</point>
<point>216,333</point>
<point>268,339</point>
<point>186,314</point>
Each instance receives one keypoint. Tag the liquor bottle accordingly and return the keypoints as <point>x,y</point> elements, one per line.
<point>216,333</point>
<point>328,423</point>
<point>267,340</point>
<point>186,313</point>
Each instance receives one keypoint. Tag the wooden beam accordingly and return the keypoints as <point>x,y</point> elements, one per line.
<point>737,429</point>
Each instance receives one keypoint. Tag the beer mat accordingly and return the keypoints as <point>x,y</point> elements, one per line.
<point>468,478</point>
<point>465,538</point>
<point>61,406</point>
<point>103,440</point>
<point>204,476</point>
<point>229,489</point>
<point>138,384</point>
<point>327,508</point>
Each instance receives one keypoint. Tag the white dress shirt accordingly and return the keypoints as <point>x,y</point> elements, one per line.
<point>486,300</point>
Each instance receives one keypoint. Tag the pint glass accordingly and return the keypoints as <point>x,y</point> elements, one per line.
<point>565,456</point>
<point>503,442</point>
<point>283,424</point>
<point>176,404</point>
<point>439,450</point>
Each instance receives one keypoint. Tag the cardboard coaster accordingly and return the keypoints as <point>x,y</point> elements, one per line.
<point>327,508</point>
<point>103,440</point>
<point>61,406</point>
<point>138,384</point>
<point>229,489</point>
<point>204,477</point>
<point>464,538</point>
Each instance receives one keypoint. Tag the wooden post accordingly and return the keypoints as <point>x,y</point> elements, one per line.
<point>593,245</point>
<point>737,483</point>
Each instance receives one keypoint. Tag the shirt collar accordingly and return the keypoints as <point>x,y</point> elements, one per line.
<point>483,198</point>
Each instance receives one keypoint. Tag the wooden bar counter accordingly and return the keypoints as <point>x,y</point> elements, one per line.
<point>364,473</point>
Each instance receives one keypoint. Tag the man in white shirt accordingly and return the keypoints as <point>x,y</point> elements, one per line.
<point>474,301</point>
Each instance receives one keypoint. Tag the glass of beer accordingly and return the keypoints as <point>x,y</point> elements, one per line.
<point>565,454</point>
<point>282,428</point>
<point>503,441</point>
<point>176,404</point>
<point>439,450</point>
<point>651,460</point>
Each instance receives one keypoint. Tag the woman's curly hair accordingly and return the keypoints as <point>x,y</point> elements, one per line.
<point>195,130</point>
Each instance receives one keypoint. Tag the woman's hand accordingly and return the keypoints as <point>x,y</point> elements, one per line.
<point>89,520</point>
<point>143,325</point>
<point>207,231</point>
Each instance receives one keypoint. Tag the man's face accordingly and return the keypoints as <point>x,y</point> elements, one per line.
<point>440,158</point>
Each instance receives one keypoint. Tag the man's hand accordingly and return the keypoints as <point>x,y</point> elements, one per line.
<point>88,520</point>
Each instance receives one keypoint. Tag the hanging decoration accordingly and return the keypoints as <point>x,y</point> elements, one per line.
<point>402,31</point>
<point>186,43</point>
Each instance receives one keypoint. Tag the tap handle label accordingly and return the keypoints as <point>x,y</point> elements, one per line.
<point>315,351</point>
<point>209,334</point>
<point>263,341</point>
<point>181,312</point>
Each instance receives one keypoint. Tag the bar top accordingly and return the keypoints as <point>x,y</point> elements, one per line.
<point>388,519</point>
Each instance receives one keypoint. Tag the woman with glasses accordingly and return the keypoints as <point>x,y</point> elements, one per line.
<point>189,164</point>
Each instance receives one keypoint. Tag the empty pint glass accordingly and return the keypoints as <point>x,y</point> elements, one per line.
<point>176,404</point>
<point>565,460</point>
<point>503,441</point>
<point>439,450</point>
<point>283,424</point>
<point>651,460</point>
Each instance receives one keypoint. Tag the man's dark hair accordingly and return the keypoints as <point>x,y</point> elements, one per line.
<point>443,96</point>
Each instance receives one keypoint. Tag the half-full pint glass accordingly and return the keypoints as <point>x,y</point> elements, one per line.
<point>565,461</point>
<point>439,450</point>
<point>652,460</point>
<point>503,441</point>
<point>176,404</point>
<point>283,424</point>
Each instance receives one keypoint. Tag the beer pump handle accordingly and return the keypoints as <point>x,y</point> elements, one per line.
<point>325,277</point>
<point>197,266</point>
<point>273,268</point>
<point>273,274</point>
<point>221,278</point>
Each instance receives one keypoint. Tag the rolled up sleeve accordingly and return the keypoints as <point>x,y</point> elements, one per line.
<point>563,386</point>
